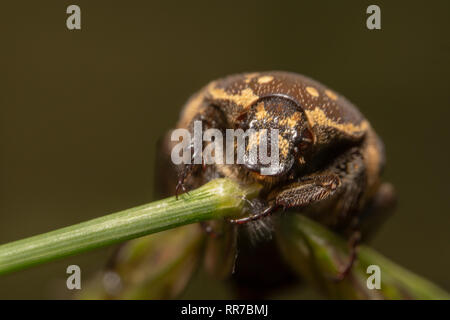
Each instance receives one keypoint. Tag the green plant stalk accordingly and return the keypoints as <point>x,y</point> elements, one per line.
<point>318,255</point>
<point>313,251</point>
<point>216,199</point>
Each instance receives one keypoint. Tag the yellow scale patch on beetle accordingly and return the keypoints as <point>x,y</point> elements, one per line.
<point>265,79</point>
<point>372,159</point>
<point>292,120</point>
<point>261,112</point>
<point>318,117</point>
<point>283,146</point>
<point>331,94</point>
<point>244,98</point>
<point>312,91</point>
<point>301,160</point>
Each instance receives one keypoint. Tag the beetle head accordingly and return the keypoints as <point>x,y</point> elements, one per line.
<point>294,133</point>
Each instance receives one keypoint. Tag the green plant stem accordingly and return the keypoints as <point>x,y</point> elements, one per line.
<point>216,199</point>
<point>313,251</point>
<point>318,254</point>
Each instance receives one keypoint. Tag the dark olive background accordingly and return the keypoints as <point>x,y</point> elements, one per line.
<point>81,110</point>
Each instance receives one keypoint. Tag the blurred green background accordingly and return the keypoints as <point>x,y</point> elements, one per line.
<point>81,110</point>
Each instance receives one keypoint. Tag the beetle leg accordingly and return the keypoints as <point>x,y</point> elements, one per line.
<point>375,213</point>
<point>254,217</point>
<point>182,176</point>
<point>337,190</point>
<point>310,189</point>
<point>353,244</point>
<point>211,118</point>
<point>168,176</point>
<point>343,176</point>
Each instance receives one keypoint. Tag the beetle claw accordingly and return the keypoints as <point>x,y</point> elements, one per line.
<point>353,247</point>
<point>254,217</point>
<point>180,186</point>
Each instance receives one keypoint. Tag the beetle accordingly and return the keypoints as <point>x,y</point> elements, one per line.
<point>331,159</point>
